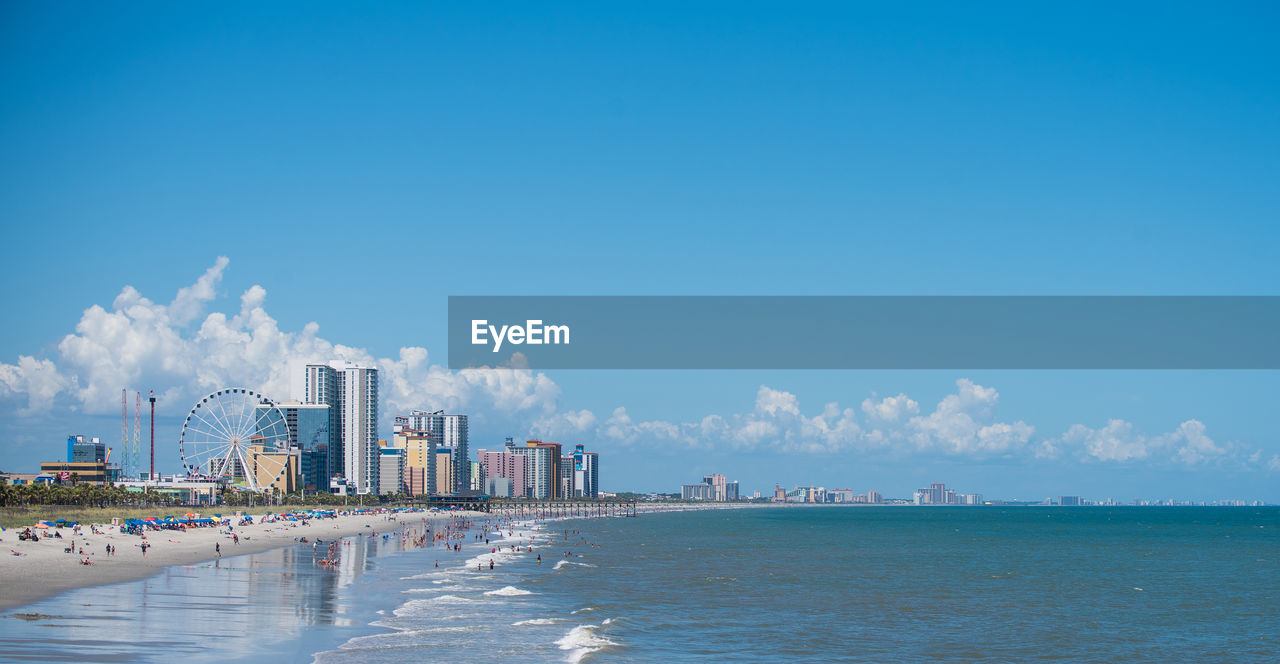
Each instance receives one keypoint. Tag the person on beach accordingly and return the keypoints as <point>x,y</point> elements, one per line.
<point>491,563</point>
<point>217,548</point>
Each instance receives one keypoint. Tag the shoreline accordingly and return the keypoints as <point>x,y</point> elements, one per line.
<point>44,569</point>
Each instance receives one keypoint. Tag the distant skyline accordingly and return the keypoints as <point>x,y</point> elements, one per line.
<point>196,196</point>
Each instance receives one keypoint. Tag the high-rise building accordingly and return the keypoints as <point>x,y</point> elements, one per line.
<point>505,465</point>
<point>444,471</point>
<point>542,467</point>
<point>590,474</point>
<point>420,457</point>
<point>712,488</point>
<point>551,471</point>
<point>352,392</point>
<point>390,468</point>
<point>718,482</point>
<point>450,431</point>
<point>874,497</point>
<point>309,432</point>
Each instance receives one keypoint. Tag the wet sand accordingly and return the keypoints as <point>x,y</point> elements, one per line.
<point>44,568</point>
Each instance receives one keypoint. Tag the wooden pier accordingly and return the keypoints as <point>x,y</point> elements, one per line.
<point>526,507</point>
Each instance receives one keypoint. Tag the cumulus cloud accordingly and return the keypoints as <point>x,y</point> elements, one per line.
<point>961,424</point>
<point>1117,441</point>
<point>890,409</point>
<point>138,343</point>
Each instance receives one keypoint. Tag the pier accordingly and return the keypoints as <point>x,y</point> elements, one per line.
<point>526,508</point>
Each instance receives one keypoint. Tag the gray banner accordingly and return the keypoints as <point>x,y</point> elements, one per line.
<point>862,332</point>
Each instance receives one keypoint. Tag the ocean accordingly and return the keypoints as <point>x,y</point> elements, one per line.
<point>812,584</point>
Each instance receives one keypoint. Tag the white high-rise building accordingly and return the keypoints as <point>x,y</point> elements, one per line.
<point>351,391</point>
<point>450,431</point>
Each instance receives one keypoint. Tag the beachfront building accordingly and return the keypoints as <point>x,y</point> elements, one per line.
<point>88,462</point>
<point>391,463</point>
<point>585,475</point>
<point>699,491</point>
<point>81,449</point>
<point>351,392</point>
<point>264,466</point>
<point>70,472</point>
<point>713,488</point>
<point>874,497</point>
<point>450,432</point>
<point>444,475</point>
<point>309,432</point>
<point>939,494</point>
<point>842,496</point>
<point>420,456</point>
<point>542,468</point>
<point>504,465</point>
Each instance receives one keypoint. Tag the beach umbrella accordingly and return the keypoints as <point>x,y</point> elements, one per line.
<point>150,518</point>
<point>41,525</point>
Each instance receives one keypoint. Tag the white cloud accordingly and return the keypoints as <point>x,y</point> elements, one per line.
<point>959,425</point>
<point>139,344</point>
<point>1188,444</point>
<point>1114,442</point>
<point>773,402</point>
<point>1196,447</point>
<point>185,353</point>
<point>1274,464</point>
<point>189,303</point>
<point>890,409</point>
<point>38,380</point>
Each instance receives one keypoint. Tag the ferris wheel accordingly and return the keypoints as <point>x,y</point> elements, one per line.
<point>236,435</point>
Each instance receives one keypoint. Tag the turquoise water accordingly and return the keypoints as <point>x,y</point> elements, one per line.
<point>855,584</point>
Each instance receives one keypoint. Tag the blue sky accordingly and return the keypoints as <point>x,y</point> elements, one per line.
<point>361,164</point>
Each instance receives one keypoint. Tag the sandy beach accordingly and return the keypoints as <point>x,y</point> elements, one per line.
<point>43,569</point>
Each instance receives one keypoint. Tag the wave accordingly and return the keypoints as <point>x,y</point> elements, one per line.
<point>431,590</point>
<point>537,621</point>
<point>582,610</point>
<point>582,641</point>
<point>401,639</point>
<point>417,607</point>
<point>562,563</point>
<point>509,591</point>
<point>420,577</point>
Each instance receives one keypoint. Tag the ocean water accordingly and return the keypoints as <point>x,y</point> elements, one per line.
<point>821,584</point>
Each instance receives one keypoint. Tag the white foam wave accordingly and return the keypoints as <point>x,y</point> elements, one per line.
<point>431,590</point>
<point>424,575</point>
<point>538,621</point>
<point>562,563</point>
<point>509,591</point>
<point>582,610</point>
<point>417,607</point>
<point>582,641</point>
